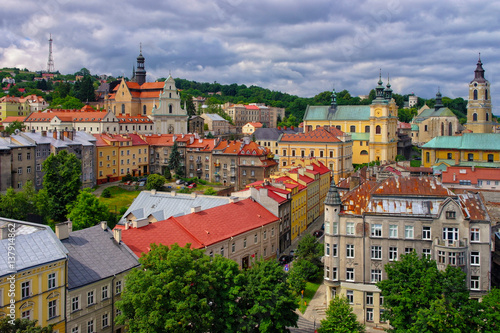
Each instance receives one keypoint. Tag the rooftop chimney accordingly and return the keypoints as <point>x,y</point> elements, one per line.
<point>63,229</point>
<point>44,133</point>
<point>104,225</point>
<point>4,232</point>
<point>234,199</point>
<point>117,235</point>
<point>196,209</point>
<point>54,134</point>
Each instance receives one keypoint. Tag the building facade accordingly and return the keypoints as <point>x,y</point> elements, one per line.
<point>168,116</point>
<point>377,222</point>
<point>479,116</point>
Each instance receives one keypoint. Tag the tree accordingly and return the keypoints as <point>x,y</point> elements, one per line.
<point>175,161</point>
<point>340,318</point>
<point>15,125</point>
<point>167,174</point>
<point>22,326</point>
<point>12,205</point>
<point>86,90</point>
<point>309,249</point>
<point>155,182</point>
<point>441,316</point>
<point>415,284</point>
<point>179,289</point>
<point>62,182</point>
<point>490,311</point>
<point>267,299</point>
<point>210,191</point>
<point>87,210</point>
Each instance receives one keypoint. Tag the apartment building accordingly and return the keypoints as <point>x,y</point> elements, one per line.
<point>377,222</point>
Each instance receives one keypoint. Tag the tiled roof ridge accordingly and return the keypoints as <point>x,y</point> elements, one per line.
<point>180,225</point>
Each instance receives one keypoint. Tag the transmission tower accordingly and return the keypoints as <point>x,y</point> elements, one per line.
<point>50,63</point>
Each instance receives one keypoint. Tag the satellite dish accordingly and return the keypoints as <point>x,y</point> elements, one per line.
<point>17,131</point>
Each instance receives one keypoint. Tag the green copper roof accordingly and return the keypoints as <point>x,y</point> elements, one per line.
<point>442,164</point>
<point>427,113</point>
<point>343,112</point>
<point>468,141</point>
<point>360,136</point>
<point>414,127</point>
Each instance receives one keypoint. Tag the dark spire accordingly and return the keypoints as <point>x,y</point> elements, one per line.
<point>379,90</point>
<point>388,90</point>
<point>479,72</point>
<point>140,73</point>
<point>333,104</point>
<point>439,102</point>
<point>333,197</point>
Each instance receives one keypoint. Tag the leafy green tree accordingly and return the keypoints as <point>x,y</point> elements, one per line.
<point>23,326</point>
<point>12,205</point>
<point>441,316</point>
<point>340,318</point>
<point>267,299</point>
<point>310,249</point>
<point>490,311</point>
<point>62,181</point>
<point>87,210</point>
<point>167,174</point>
<point>210,191</point>
<point>155,182</point>
<point>414,283</point>
<point>69,102</point>
<point>298,276</point>
<point>106,193</point>
<point>178,289</point>
<point>15,125</point>
<point>86,90</point>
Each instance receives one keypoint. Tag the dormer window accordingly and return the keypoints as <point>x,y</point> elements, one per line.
<point>451,215</point>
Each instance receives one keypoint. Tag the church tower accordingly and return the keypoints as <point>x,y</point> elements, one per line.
<point>479,106</point>
<point>168,116</point>
<point>140,72</point>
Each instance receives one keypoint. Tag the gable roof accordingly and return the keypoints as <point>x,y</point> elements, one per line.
<point>320,134</point>
<point>343,112</point>
<point>201,229</point>
<point>95,255</point>
<point>467,141</point>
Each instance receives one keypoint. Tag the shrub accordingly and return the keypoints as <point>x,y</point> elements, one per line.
<point>106,193</point>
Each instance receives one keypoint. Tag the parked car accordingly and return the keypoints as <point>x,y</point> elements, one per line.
<point>292,253</point>
<point>143,179</point>
<point>318,233</point>
<point>285,259</point>
<point>179,181</point>
<point>192,185</point>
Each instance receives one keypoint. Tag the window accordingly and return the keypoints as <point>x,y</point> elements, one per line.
<point>25,289</point>
<point>19,157</point>
<point>350,296</point>
<point>408,250</point>
<point>28,169</point>
<point>334,250</point>
<point>474,258</point>
<point>19,170</point>
<point>349,228</point>
<point>461,258</point>
<point>452,258</point>
<point>369,298</point>
<point>409,231</point>
<point>450,235</point>
<point>451,214</point>
<point>335,228</point>
<point>350,250</point>
<point>90,298</point>
<point>470,157</point>
<point>425,128</point>
<point>75,303</point>
<point>376,230</point>
<point>222,251</point>
<point>393,253</point>
<point>52,309</point>
<point>376,275</point>
<point>118,287</point>
<point>426,232</point>
<point>474,234</point>
<point>74,329</point>
<point>90,324</point>
<point>233,247</point>
<point>369,314</point>
<point>448,156</point>
<point>353,128</point>
<point>255,238</point>
<point>474,282</point>
<point>327,249</point>
<point>334,274</point>
<point>427,157</point>
<point>52,280</point>
<point>265,234</point>
<point>378,129</point>
<point>367,129</point>
<point>105,320</point>
<point>490,157</point>
<point>376,252</point>
<point>349,274</point>
<point>245,243</point>
<point>393,231</point>
<point>26,314</point>
<point>426,253</point>
<point>104,292</point>
<point>441,257</point>
<point>327,272</point>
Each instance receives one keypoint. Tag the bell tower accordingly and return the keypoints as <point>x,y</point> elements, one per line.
<point>140,73</point>
<point>479,106</point>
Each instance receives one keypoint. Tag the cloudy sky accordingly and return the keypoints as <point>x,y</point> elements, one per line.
<point>299,47</point>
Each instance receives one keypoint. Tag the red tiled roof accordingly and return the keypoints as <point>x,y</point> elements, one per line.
<point>200,229</point>
<point>466,173</point>
<point>318,135</point>
<point>139,119</point>
<point>159,139</point>
<point>252,107</point>
<point>66,115</point>
<point>12,119</point>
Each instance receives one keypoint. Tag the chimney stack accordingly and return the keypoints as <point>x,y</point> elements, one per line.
<point>117,235</point>
<point>196,209</point>
<point>4,232</point>
<point>63,229</point>
<point>54,134</point>
<point>104,225</point>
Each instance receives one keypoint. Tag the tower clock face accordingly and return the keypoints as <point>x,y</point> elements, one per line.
<point>377,113</point>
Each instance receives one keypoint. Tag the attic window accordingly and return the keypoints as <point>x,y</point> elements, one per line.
<point>451,215</point>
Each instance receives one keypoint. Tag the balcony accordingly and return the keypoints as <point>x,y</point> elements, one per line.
<point>217,165</point>
<point>450,243</point>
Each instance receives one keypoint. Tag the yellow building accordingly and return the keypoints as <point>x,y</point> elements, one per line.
<point>11,106</point>
<point>33,279</point>
<point>373,127</point>
<point>470,149</point>
<point>330,146</point>
<point>479,117</point>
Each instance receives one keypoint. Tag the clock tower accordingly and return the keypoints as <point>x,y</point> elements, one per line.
<point>479,106</point>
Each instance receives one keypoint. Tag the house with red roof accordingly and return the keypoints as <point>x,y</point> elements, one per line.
<point>242,230</point>
<point>249,128</point>
<point>329,145</point>
<point>278,201</point>
<point>471,177</point>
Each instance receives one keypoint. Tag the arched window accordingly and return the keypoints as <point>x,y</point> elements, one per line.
<point>123,108</point>
<point>363,152</point>
<point>474,117</point>
<point>442,129</point>
<point>487,116</point>
<point>378,129</point>
<point>475,94</point>
<point>170,108</point>
<point>353,128</point>
<point>450,129</point>
<point>144,109</point>
<point>486,94</point>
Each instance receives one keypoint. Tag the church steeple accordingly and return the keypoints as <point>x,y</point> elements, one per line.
<point>379,90</point>
<point>439,102</point>
<point>479,72</point>
<point>333,105</point>
<point>140,73</point>
<point>388,90</point>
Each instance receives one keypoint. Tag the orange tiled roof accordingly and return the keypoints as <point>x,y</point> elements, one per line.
<point>127,119</point>
<point>252,107</point>
<point>318,135</point>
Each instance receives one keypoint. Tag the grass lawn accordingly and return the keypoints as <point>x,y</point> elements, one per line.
<point>309,292</point>
<point>119,198</point>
